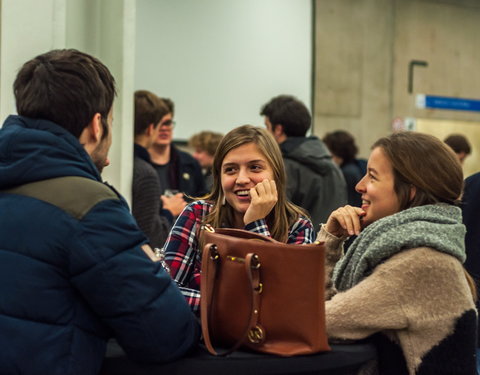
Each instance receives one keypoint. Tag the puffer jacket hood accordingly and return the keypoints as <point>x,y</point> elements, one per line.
<point>314,181</point>
<point>308,151</point>
<point>33,150</point>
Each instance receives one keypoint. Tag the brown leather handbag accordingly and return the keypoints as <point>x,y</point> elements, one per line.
<point>262,294</point>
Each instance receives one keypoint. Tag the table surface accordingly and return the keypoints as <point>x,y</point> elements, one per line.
<point>342,359</point>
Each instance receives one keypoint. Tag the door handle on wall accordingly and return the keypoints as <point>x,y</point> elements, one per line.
<point>411,64</point>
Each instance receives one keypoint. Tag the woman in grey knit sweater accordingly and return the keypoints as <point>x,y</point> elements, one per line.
<point>402,280</point>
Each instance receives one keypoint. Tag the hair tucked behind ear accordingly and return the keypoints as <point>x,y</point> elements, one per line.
<point>424,162</point>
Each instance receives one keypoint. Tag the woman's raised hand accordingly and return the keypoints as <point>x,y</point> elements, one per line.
<point>345,221</point>
<point>263,198</point>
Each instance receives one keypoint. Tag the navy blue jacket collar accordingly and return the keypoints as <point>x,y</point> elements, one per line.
<point>35,149</point>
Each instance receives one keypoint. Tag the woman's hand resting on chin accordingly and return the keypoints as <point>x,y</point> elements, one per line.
<point>345,221</point>
<point>263,198</point>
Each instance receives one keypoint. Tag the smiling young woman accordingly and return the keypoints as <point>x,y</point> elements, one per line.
<point>247,177</point>
<point>402,280</point>
<point>248,193</point>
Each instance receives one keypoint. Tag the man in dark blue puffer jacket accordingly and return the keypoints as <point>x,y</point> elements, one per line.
<point>75,269</point>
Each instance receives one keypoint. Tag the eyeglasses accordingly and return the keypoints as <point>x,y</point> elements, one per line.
<point>169,123</point>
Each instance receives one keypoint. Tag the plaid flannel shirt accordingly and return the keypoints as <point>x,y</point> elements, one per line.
<point>183,257</point>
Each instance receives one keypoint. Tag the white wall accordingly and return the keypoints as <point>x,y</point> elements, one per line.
<point>28,28</point>
<point>104,29</point>
<point>221,60</point>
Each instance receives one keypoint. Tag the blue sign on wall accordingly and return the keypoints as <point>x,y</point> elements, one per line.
<point>445,102</point>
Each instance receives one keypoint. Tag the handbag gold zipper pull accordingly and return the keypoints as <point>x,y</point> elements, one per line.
<point>209,228</point>
<point>235,259</point>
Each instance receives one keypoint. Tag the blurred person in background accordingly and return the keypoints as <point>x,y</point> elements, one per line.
<point>344,151</point>
<point>460,145</point>
<point>153,219</point>
<point>204,145</point>
<point>471,219</point>
<point>314,181</point>
<point>178,171</point>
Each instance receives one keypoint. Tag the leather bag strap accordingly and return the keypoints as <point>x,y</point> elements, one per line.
<point>211,261</point>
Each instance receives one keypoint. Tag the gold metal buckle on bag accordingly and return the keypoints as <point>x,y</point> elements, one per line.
<point>256,335</point>
<point>259,288</point>
<point>255,262</point>
<point>214,255</point>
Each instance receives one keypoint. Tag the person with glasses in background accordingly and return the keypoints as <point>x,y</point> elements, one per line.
<point>178,171</point>
<point>153,219</point>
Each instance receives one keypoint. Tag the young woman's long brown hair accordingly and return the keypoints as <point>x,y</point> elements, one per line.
<point>284,214</point>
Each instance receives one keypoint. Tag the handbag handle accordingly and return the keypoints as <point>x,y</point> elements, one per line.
<point>211,258</point>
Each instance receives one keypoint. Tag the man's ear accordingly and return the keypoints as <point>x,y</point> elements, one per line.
<point>279,134</point>
<point>92,134</point>
<point>97,128</point>
<point>278,130</point>
<point>150,129</point>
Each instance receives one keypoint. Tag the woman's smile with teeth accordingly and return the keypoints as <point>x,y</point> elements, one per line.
<point>243,192</point>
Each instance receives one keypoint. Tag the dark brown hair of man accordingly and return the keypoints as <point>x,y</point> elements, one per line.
<point>67,87</point>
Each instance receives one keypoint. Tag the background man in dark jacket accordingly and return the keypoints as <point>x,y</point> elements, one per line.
<point>153,219</point>
<point>471,219</point>
<point>314,182</point>
<point>74,267</point>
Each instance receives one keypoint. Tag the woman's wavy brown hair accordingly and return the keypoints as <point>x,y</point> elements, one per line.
<point>284,214</point>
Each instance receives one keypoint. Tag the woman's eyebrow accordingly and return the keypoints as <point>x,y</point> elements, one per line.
<point>257,161</point>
